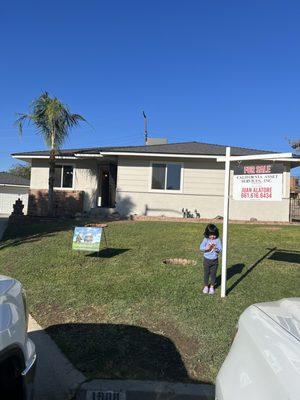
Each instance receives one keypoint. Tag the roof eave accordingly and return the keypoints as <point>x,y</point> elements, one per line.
<point>25,157</point>
<point>149,154</point>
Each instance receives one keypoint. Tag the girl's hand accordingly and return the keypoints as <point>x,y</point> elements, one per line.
<point>209,247</point>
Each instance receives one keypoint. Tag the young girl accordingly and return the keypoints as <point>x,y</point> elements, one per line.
<point>211,246</point>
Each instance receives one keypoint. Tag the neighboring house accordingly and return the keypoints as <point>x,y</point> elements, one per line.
<point>147,180</point>
<point>12,188</point>
<point>295,186</point>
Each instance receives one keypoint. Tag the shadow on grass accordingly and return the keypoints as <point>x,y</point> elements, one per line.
<point>111,351</point>
<point>20,233</point>
<point>291,256</point>
<point>107,253</point>
<point>231,271</point>
<point>248,271</point>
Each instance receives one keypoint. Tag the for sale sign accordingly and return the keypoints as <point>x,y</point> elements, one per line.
<point>258,182</point>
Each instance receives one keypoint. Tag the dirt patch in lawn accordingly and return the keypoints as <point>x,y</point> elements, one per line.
<point>179,261</point>
<point>53,314</point>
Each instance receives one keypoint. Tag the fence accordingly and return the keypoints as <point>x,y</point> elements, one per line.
<point>294,208</point>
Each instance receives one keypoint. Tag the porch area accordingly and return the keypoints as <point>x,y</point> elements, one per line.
<point>82,186</point>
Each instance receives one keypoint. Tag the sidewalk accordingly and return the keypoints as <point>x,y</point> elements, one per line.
<point>56,378</point>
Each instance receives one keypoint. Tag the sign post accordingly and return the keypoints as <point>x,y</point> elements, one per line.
<point>225,221</point>
<point>227,159</point>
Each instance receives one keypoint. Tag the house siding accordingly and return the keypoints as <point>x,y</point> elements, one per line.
<point>202,189</point>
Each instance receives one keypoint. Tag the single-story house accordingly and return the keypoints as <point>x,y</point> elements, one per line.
<point>12,188</point>
<point>154,180</point>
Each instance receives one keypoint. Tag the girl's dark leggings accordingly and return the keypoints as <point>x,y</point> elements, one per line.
<point>210,270</point>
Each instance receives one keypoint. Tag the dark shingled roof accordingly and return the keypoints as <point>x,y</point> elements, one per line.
<point>9,179</point>
<point>195,148</point>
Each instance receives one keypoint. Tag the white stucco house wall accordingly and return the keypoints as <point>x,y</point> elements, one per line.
<point>152,180</point>
<point>12,188</point>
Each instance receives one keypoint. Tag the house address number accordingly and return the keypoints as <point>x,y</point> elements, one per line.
<point>105,395</point>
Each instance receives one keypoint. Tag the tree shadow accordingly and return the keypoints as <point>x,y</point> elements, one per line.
<point>66,203</point>
<point>32,229</point>
<point>18,242</point>
<point>115,351</point>
<point>124,205</point>
<point>249,270</point>
<point>107,253</point>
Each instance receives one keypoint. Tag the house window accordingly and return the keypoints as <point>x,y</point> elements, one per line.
<point>63,176</point>
<point>166,176</point>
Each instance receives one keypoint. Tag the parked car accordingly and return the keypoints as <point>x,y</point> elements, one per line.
<point>17,351</point>
<point>264,359</point>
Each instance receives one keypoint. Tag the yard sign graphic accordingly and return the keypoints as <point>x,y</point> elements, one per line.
<point>87,239</point>
<point>258,182</point>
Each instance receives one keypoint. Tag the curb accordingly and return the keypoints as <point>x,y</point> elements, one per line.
<point>147,390</point>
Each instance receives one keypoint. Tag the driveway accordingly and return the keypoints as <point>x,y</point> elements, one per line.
<point>3,223</point>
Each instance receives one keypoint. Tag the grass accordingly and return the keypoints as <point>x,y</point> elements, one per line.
<point>125,314</point>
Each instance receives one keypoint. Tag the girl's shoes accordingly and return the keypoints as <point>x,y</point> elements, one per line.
<point>211,290</point>
<point>205,290</point>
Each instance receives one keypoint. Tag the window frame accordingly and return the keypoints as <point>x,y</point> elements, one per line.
<point>166,176</point>
<point>62,177</point>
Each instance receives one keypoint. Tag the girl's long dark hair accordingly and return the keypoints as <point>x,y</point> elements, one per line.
<point>211,229</point>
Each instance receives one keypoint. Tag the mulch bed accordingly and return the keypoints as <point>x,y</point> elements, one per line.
<point>216,220</point>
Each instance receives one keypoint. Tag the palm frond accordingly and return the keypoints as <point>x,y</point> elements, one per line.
<point>20,121</point>
<point>51,118</point>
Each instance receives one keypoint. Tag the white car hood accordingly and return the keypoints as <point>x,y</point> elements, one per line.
<point>285,312</point>
<point>5,284</point>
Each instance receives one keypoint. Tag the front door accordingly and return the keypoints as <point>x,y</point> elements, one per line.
<point>105,188</point>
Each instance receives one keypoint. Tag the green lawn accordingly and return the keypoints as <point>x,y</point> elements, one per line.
<point>97,308</point>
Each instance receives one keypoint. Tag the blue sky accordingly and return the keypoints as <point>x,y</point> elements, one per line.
<point>223,72</point>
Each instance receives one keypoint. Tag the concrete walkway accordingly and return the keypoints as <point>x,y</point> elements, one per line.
<point>56,378</point>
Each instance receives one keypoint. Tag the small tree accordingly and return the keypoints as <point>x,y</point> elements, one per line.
<point>53,121</point>
<point>20,170</point>
<point>295,145</point>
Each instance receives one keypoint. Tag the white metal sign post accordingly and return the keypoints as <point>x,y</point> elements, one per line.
<point>227,159</point>
<point>225,221</point>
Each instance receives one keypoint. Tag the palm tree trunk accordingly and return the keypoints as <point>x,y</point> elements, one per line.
<point>51,183</point>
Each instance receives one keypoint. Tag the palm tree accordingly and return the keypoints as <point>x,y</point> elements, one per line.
<point>53,121</point>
